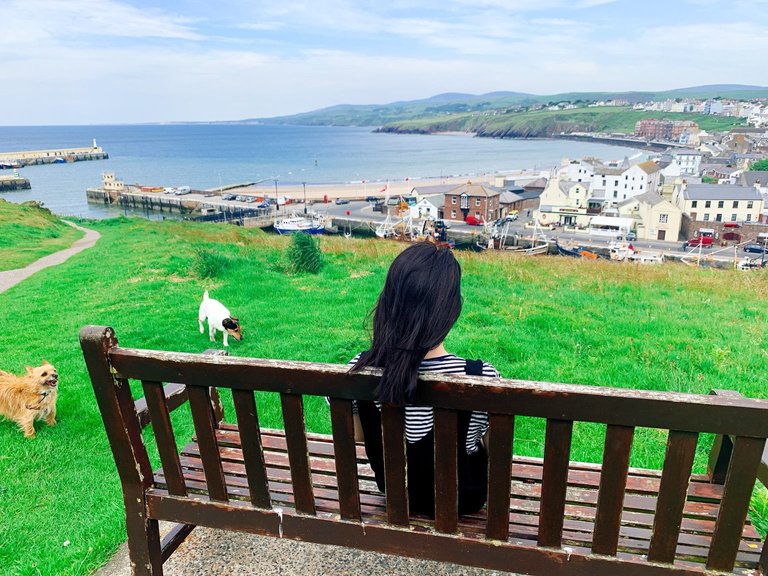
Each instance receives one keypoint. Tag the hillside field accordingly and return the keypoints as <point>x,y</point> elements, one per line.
<point>551,319</point>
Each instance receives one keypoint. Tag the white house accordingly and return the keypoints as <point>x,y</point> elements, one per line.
<point>689,161</point>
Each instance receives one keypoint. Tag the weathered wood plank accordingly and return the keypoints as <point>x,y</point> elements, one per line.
<point>733,510</point>
<point>118,412</point>
<point>678,461</point>
<point>557,449</point>
<point>175,538</point>
<point>296,440</point>
<point>252,450</point>
<point>446,476</point>
<point>395,463</point>
<point>500,441</point>
<point>344,447</point>
<point>164,436</point>
<point>667,410</point>
<point>202,417</point>
<point>175,394</point>
<point>613,481</point>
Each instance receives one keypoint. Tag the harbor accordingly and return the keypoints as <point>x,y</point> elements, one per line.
<point>52,156</point>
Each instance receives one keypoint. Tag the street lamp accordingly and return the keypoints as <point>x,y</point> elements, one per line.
<point>304,184</point>
<point>277,201</point>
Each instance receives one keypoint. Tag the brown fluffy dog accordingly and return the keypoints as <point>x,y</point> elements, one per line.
<point>29,397</point>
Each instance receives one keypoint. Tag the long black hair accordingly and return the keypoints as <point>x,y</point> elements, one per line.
<point>418,306</point>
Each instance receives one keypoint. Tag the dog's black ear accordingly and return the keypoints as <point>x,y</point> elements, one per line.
<point>229,323</point>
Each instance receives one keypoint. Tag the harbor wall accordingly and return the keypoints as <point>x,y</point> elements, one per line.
<point>31,157</point>
<point>13,183</point>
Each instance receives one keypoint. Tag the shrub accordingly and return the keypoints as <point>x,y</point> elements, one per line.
<point>209,263</point>
<point>304,254</point>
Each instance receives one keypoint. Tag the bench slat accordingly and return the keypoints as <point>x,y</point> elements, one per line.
<point>298,454</point>
<point>395,465</point>
<point>678,462</point>
<point>557,450</point>
<point>166,441</point>
<point>739,483</point>
<point>253,457</point>
<point>342,423</point>
<point>446,476</point>
<point>202,417</point>
<point>500,441</point>
<point>613,481</point>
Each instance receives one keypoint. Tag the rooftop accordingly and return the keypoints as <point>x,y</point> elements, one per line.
<point>720,192</point>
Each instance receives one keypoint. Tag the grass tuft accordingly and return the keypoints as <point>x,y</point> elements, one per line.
<point>304,254</point>
<point>209,263</point>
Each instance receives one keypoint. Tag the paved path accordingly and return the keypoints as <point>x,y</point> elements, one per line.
<point>10,278</point>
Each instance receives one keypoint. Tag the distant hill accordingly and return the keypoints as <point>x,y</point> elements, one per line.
<point>443,106</point>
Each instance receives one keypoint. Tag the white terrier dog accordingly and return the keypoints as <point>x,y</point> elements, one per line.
<point>219,319</point>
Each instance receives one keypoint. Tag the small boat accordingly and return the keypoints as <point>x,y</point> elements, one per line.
<point>563,251</point>
<point>646,257</point>
<point>748,263</point>
<point>306,225</point>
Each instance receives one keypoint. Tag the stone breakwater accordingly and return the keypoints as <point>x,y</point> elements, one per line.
<point>53,156</point>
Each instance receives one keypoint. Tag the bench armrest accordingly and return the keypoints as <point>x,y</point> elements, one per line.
<point>176,395</point>
<point>720,455</point>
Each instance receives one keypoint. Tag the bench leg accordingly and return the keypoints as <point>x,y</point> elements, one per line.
<point>144,548</point>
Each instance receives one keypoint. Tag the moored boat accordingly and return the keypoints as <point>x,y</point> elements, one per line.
<point>294,224</point>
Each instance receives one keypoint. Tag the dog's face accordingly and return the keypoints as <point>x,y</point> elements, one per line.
<point>44,377</point>
<point>233,328</point>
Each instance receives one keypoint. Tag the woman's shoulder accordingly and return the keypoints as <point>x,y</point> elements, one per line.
<point>452,364</point>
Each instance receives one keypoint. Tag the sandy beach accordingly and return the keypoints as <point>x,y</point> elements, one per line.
<point>360,190</point>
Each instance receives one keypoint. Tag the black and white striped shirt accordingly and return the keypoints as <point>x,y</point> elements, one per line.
<point>419,420</point>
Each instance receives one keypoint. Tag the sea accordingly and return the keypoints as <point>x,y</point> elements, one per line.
<point>209,155</point>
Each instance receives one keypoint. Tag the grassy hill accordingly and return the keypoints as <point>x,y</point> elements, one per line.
<point>552,319</point>
<point>435,107</point>
<point>544,123</point>
<point>29,232</point>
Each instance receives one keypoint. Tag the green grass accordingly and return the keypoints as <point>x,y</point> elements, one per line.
<point>551,122</point>
<point>28,232</point>
<point>550,319</point>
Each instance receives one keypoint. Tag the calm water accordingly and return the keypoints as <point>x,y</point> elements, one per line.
<point>204,156</point>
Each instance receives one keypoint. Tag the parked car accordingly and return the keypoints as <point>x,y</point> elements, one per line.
<point>342,201</point>
<point>704,241</point>
<point>756,248</point>
<point>250,199</point>
<point>264,205</point>
<point>630,237</point>
<point>371,199</point>
<point>228,196</point>
<point>472,221</point>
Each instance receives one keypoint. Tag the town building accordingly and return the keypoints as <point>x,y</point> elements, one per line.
<point>478,200</point>
<point>689,161</point>
<point>718,202</point>
<point>655,217</point>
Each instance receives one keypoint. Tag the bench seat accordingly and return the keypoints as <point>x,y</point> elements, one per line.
<point>543,517</point>
<point>699,513</point>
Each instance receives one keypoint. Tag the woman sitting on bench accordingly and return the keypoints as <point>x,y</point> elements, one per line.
<point>418,306</point>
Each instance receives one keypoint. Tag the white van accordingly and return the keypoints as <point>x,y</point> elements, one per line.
<point>181,190</point>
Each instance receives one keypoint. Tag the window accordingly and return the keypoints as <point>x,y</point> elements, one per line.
<point>663,218</point>
<point>708,204</point>
<point>603,181</point>
<point>453,213</point>
<point>721,204</point>
<point>453,200</point>
<point>735,203</point>
<point>477,201</point>
<point>733,217</point>
<point>615,194</point>
<point>477,215</point>
<point>706,217</point>
<point>617,183</point>
<point>749,205</point>
<point>749,217</point>
<point>719,217</point>
<point>695,204</point>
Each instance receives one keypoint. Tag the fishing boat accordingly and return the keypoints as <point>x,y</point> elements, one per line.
<point>538,243</point>
<point>563,251</point>
<point>402,229</point>
<point>295,223</point>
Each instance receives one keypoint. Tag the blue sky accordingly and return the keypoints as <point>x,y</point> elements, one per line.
<point>125,61</point>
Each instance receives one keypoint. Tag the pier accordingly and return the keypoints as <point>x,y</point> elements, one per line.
<point>53,156</point>
<point>13,182</point>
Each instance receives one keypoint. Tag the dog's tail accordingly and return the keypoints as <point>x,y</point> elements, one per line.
<point>205,295</point>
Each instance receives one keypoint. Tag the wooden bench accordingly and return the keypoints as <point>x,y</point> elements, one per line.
<point>549,516</point>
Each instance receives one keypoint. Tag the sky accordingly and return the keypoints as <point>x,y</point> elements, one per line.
<point>133,61</point>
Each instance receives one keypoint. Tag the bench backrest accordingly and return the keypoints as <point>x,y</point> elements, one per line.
<point>683,416</point>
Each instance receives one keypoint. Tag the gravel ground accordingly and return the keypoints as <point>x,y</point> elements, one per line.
<point>216,552</point>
